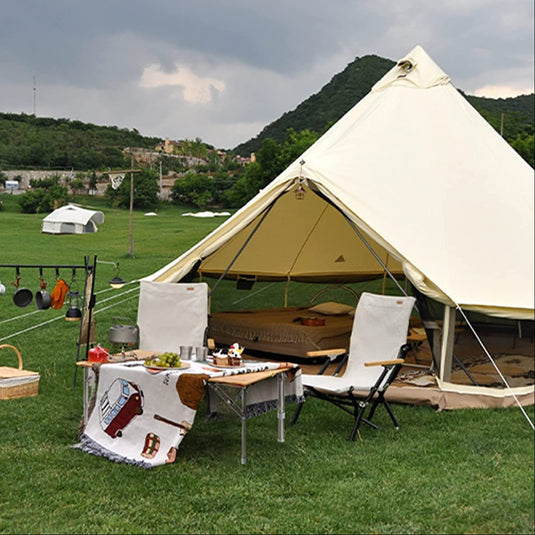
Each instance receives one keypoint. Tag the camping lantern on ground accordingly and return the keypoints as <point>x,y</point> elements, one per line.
<point>74,313</point>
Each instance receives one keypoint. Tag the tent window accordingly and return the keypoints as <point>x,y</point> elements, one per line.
<point>245,282</point>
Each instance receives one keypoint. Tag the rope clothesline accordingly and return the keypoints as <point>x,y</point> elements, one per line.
<point>62,316</point>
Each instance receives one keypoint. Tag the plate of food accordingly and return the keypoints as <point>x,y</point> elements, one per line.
<point>155,367</point>
<point>166,361</point>
<point>233,366</point>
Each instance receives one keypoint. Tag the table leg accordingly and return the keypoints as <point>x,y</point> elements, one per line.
<point>243,428</point>
<point>280,407</point>
<point>86,394</point>
<point>211,405</point>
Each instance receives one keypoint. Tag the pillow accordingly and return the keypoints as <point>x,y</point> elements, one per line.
<point>330,308</point>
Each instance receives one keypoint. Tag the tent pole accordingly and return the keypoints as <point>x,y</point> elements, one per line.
<point>286,290</point>
<point>376,256</point>
<point>446,351</point>
<point>241,248</point>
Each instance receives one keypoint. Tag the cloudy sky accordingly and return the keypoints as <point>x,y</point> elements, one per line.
<point>221,70</point>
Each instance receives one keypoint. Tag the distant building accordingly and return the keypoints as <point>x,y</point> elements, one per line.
<point>246,161</point>
<point>168,146</point>
<point>12,185</point>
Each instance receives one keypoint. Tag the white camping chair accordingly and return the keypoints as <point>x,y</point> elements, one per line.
<point>377,348</point>
<point>171,315</point>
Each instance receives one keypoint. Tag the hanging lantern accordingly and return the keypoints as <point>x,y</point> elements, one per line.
<point>117,282</point>
<point>74,313</point>
<point>300,190</point>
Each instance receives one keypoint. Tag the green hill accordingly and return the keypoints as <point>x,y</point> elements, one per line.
<point>324,108</point>
<point>27,141</point>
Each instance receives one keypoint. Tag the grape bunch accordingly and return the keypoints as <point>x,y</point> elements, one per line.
<point>165,360</point>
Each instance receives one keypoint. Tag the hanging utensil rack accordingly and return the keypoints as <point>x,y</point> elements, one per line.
<point>88,304</point>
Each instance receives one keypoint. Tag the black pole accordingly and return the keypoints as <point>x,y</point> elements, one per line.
<point>88,304</point>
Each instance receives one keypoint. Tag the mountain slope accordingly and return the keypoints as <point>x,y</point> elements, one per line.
<point>348,87</point>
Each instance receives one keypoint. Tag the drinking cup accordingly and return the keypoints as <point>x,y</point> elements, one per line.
<point>201,353</point>
<point>185,352</point>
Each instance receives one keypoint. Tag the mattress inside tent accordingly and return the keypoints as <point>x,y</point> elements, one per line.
<point>279,330</point>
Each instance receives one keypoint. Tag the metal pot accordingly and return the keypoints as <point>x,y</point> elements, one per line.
<point>42,297</point>
<point>124,334</point>
<point>42,300</point>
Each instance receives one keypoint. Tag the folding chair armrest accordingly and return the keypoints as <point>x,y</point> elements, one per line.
<point>331,353</point>
<point>392,362</point>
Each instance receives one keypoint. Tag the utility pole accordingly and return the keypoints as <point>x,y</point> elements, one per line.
<point>117,178</point>
<point>34,96</point>
<point>131,247</point>
<point>161,185</point>
<point>501,125</point>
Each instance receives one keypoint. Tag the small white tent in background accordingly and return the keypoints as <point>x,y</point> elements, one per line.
<point>417,172</point>
<point>72,219</point>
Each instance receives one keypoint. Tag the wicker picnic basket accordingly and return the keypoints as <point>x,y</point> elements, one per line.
<point>17,382</point>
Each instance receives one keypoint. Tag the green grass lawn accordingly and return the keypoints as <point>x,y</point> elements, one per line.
<point>464,471</point>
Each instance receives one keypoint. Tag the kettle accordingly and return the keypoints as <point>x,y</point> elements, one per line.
<point>124,334</point>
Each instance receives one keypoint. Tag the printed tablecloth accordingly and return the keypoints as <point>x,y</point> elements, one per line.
<point>141,414</point>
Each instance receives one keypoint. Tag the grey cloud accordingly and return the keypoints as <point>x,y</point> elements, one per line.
<point>89,57</point>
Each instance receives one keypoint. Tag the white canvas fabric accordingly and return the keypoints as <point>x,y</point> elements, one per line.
<point>418,170</point>
<point>72,219</point>
<point>379,330</point>
<point>171,315</point>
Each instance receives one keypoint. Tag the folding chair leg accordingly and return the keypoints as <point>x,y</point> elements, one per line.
<point>297,413</point>
<point>358,419</point>
<point>392,415</point>
<point>381,399</point>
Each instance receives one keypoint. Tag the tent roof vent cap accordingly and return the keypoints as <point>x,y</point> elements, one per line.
<point>407,64</point>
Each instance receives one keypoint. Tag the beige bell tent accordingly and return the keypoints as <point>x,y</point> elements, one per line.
<point>72,219</point>
<point>415,171</point>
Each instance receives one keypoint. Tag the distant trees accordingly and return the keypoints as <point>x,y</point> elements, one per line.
<point>196,189</point>
<point>271,160</point>
<point>233,190</point>
<point>525,146</point>
<point>42,142</point>
<point>46,195</point>
<point>146,190</point>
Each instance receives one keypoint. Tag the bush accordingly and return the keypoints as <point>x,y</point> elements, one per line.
<point>44,199</point>
<point>194,189</point>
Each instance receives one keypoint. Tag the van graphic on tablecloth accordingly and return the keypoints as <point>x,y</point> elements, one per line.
<point>119,405</point>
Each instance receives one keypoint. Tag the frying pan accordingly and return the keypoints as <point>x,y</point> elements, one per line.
<point>22,296</point>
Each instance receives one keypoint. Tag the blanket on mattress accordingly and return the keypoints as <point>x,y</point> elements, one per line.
<point>279,330</point>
